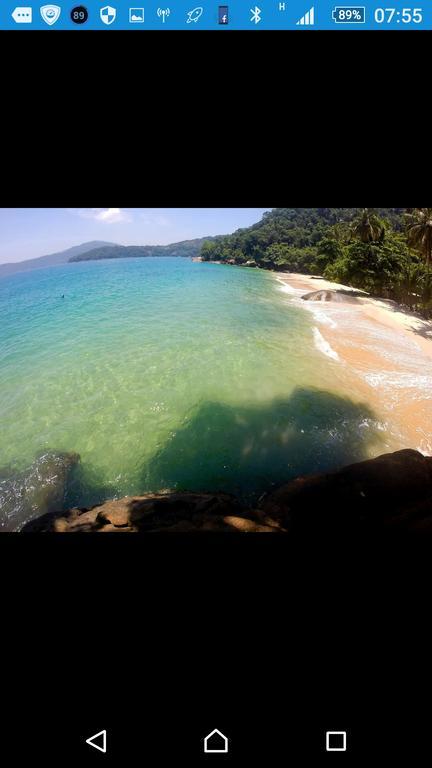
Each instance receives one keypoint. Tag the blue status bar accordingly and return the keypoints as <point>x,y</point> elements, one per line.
<point>163,15</point>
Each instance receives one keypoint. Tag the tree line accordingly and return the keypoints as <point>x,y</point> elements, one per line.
<point>385,251</point>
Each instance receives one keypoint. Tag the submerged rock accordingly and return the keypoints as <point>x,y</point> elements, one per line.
<point>37,490</point>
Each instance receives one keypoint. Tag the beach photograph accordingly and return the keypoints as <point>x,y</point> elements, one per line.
<point>238,370</point>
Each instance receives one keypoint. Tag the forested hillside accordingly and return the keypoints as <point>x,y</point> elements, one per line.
<point>186,248</point>
<point>386,251</point>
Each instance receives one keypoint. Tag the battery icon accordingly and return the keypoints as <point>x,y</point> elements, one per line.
<point>349,14</point>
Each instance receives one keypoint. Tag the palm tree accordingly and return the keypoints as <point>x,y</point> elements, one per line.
<point>341,232</point>
<point>368,227</point>
<point>419,231</point>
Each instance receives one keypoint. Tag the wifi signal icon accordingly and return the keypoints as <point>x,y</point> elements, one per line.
<point>164,12</point>
<point>308,20</point>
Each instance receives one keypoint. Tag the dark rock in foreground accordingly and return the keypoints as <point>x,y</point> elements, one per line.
<point>392,491</point>
<point>156,512</point>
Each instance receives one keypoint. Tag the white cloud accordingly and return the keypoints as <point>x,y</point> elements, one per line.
<point>105,215</point>
<point>112,215</point>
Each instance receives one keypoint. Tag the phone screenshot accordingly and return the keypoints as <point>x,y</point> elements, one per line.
<point>189,362</point>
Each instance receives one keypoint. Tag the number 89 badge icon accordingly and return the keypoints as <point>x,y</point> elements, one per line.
<point>79,14</point>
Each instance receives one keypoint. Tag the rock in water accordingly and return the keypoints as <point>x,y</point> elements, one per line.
<point>36,491</point>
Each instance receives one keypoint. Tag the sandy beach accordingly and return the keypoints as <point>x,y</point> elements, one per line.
<point>386,353</point>
<point>383,311</point>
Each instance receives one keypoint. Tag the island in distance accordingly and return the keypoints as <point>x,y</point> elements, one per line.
<point>98,250</point>
<point>185,249</point>
<point>52,259</point>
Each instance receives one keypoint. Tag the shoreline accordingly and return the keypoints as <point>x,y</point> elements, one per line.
<point>383,311</point>
<point>383,352</point>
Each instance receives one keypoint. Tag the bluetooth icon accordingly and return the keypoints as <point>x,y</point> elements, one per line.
<point>256,14</point>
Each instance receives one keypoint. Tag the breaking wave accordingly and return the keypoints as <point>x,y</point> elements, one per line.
<point>323,346</point>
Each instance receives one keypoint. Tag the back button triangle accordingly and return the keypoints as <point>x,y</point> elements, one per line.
<point>98,741</point>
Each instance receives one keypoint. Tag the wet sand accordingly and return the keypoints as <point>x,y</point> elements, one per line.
<point>385,352</point>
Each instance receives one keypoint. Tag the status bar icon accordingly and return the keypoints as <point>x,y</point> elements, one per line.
<point>194,15</point>
<point>308,20</point>
<point>136,15</point>
<point>22,15</point>
<point>223,14</point>
<point>349,14</point>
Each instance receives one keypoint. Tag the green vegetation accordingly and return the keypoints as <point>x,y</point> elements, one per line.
<point>187,248</point>
<point>385,251</point>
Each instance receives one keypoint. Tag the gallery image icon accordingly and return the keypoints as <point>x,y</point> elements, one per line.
<point>308,20</point>
<point>216,743</point>
<point>163,13</point>
<point>98,741</point>
<point>194,15</point>
<point>22,15</point>
<point>108,14</point>
<point>136,15</point>
<point>50,13</point>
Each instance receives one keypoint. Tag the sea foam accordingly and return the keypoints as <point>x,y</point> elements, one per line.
<point>323,346</point>
<point>321,316</point>
<point>286,288</point>
<point>401,380</point>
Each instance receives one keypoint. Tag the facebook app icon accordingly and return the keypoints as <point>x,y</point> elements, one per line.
<point>223,14</point>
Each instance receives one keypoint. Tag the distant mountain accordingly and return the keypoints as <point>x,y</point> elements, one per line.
<point>186,248</point>
<point>52,259</point>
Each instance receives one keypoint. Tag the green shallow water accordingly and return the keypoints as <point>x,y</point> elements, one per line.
<point>167,373</point>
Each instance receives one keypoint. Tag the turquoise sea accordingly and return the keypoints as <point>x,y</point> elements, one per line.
<point>164,373</point>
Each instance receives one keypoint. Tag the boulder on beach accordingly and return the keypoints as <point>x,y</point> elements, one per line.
<point>328,295</point>
<point>37,490</point>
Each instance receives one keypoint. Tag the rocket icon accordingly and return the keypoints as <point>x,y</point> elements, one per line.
<point>194,15</point>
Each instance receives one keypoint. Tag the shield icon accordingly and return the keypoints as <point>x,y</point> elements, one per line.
<point>50,13</point>
<point>108,14</point>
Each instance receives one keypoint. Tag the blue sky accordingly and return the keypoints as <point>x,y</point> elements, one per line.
<point>26,233</point>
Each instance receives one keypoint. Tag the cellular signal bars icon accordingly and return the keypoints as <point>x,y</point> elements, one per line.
<point>308,20</point>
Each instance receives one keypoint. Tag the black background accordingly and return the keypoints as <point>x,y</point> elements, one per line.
<point>161,639</point>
